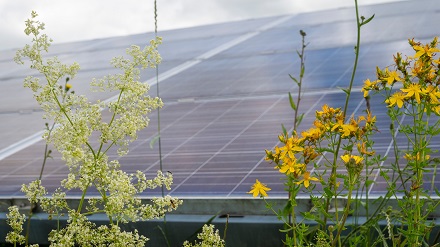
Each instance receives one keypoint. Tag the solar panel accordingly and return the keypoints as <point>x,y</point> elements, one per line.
<point>225,92</point>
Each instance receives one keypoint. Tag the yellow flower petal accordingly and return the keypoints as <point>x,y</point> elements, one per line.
<point>258,188</point>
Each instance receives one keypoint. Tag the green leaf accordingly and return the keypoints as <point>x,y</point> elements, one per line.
<point>303,69</point>
<point>308,216</point>
<point>382,237</point>
<point>389,194</point>
<point>300,118</point>
<point>321,222</point>
<point>292,103</point>
<point>367,20</point>
<point>285,230</point>
<point>348,147</point>
<point>154,140</point>
<point>345,90</point>
<point>312,230</point>
<point>164,235</point>
<point>294,79</point>
<point>284,130</point>
<point>194,235</point>
<point>369,182</point>
<point>437,192</point>
<point>322,150</point>
<point>328,192</point>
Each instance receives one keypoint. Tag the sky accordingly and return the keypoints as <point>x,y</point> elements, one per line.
<point>68,20</point>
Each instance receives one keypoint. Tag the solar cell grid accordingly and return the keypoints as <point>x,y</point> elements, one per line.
<point>225,104</point>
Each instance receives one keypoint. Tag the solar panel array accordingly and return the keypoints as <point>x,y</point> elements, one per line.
<point>225,92</point>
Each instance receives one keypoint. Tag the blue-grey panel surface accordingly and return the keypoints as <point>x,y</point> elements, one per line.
<point>225,92</point>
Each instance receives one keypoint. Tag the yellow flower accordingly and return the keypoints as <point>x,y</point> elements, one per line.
<point>436,109</point>
<point>67,86</point>
<point>307,179</point>
<point>416,157</point>
<point>433,93</point>
<point>258,188</point>
<point>397,98</point>
<point>354,166</point>
<point>422,50</point>
<point>413,90</point>
<point>348,157</point>
<point>327,112</point>
<point>392,76</point>
<point>363,149</point>
<point>418,68</point>
<point>368,85</point>
<point>313,134</point>
<point>269,155</point>
<point>309,154</point>
<point>290,166</point>
<point>282,138</point>
<point>347,129</point>
<point>291,148</point>
<point>318,124</point>
<point>370,120</point>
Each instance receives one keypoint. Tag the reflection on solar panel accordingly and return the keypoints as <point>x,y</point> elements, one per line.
<point>225,92</point>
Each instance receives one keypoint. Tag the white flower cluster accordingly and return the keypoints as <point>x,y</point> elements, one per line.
<point>208,237</point>
<point>15,220</point>
<point>81,232</point>
<point>34,191</point>
<point>78,123</point>
<point>55,204</point>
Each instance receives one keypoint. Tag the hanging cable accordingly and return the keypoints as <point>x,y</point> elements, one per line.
<point>164,230</point>
<point>157,94</point>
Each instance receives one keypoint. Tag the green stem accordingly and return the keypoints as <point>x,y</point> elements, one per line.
<point>293,217</point>
<point>45,156</point>
<point>104,198</point>
<point>416,180</point>
<point>347,98</point>
<point>344,217</point>
<point>301,76</point>
<point>357,49</point>
<point>296,121</point>
<point>396,152</point>
<point>82,199</point>
<point>420,141</point>
<point>382,203</point>
<point>111,122</point>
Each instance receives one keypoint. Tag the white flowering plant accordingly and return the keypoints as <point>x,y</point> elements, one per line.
<point>78,121</point>
<point>208,238</point>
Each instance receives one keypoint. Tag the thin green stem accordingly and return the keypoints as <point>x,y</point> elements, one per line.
<point>301,76</point>
<point>296,122</point>
<point>104,198</point>
<point>369,220</point>
<point>159,139</point>
<point>347,98</point>
<point>226,227</point>
<point>357,49</point>
<point>415,185</point>
<point>276,213</point>
<point>80,206</point>
<point>45,156</point>
<point>344,217</point>
<point>158,95</point>
<point>293,217</point>
<point>396,152</point>
<point>110,123</point>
